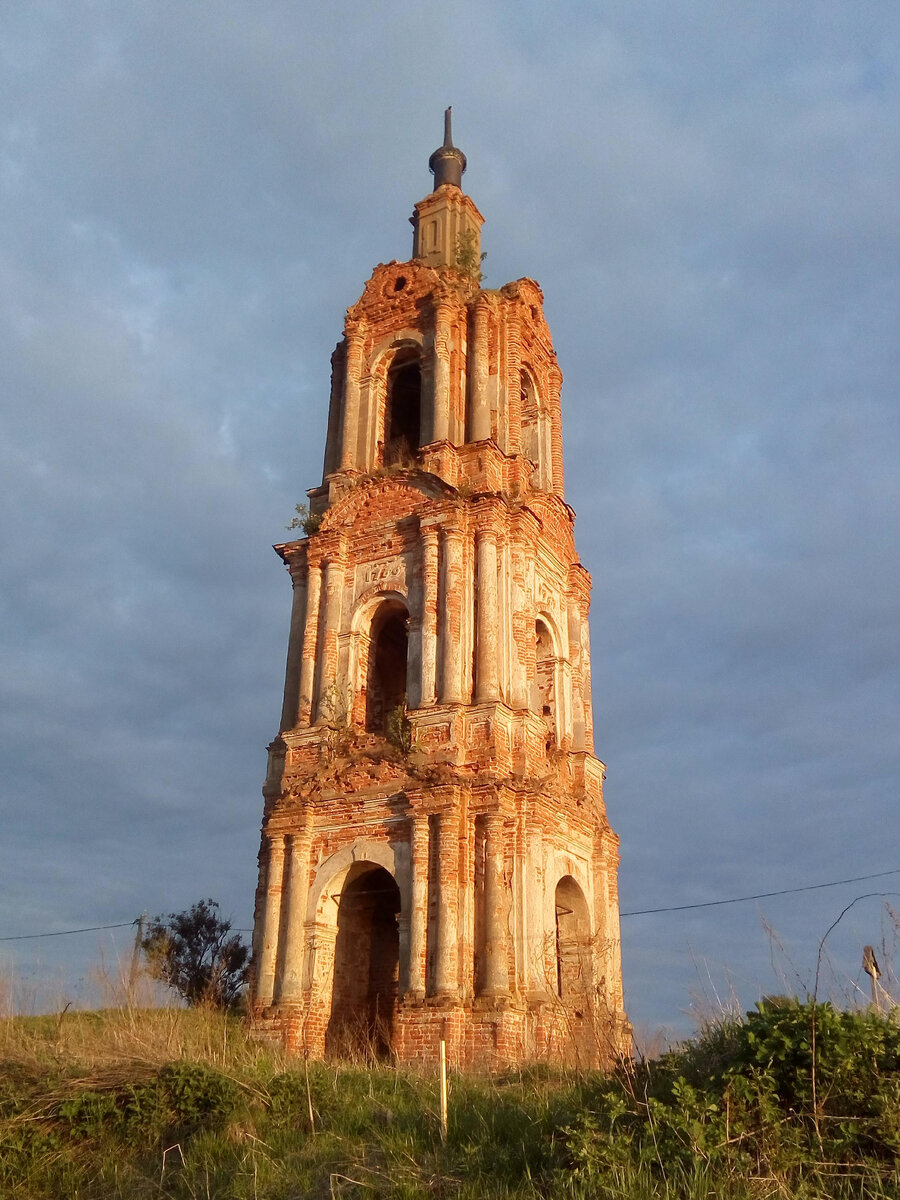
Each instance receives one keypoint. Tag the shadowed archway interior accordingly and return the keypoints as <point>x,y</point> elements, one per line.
<point>403,414</point>
<point>366,964</point>
<point>574,981</point>
<point>386,673</point>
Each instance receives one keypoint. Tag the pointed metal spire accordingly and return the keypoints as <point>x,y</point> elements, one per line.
<point>447,163</point>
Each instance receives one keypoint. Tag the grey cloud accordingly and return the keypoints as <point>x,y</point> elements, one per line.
<point>190,201</point>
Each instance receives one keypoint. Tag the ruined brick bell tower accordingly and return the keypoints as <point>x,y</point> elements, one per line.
<point>436,860</point>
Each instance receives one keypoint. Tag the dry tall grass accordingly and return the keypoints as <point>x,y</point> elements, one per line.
<point>138,1030</point>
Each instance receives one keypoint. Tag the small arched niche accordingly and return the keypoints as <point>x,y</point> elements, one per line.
<point>574,974</point>
<point>387,664</point>
<point>543,684</point>
<point>403,408</point>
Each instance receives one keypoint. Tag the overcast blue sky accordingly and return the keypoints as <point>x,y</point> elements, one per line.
<point>192,194</point>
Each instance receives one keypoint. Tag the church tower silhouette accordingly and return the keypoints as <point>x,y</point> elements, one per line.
<point>436,860</point>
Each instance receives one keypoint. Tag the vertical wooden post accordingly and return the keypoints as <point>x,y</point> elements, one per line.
<point>443,1090</point>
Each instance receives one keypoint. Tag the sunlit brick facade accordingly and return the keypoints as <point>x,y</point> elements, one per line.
<point>436,861</point>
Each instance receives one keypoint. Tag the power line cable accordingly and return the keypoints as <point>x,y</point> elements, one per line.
<point>810,887</point>
<point>640,912</point>
<point>24,937</point>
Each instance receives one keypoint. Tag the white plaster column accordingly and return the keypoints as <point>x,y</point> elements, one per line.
<point>429,633</point>
<point>335,414</point>
<point>465,921</point>
<point>545,473</point>
<point>520,628</point>
<point>536,977</point>
<point>496,921</point>
<point>577,660</point>
<point>513,376</point>
<point>520,886</point>
<point>265,986</point>
<point>606,917</point>
<point>505,592</point>
<point>327,701</point>
<point>310,643</point>
<point>446,967</point>
<point>418,902</point>
<point>481,401</point>
<point>487,617</point>
<point>556,442</point>
<point>294,941</point>
<point>586,684</point>
<point>441,426</point>
<point>451,631</point>
<point>291,706</point>
<point>350,431</point>
<point>564,705</point>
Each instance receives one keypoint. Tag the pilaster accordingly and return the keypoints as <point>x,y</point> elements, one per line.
<point>487,614</point>
<point>355,338</point>
<point>418,903</point>
<point>429,615</point>
<point>294,941</point>
<point>451,616</point>
<point>265,986</point>
<point>496,910</point>
<point>291,706</point>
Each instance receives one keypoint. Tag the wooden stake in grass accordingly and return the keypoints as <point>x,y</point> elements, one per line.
<point>443,1090</point>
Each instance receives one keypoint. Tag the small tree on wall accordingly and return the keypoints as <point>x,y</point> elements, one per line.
<point>468,260</point>
<point>195,953</point>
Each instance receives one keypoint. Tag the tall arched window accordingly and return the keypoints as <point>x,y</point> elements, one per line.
<point>386,674</point>
<point>574,980</point>
<point>530,420</point>
<point>403,409</point>
<point>535,432</point>
<point>543,684</point>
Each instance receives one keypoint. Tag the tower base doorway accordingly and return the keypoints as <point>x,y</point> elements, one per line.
<point>366,965</point>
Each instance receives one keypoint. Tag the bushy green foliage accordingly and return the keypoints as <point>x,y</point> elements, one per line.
<point>308,521</point>
<point>468,258</point>
<point>399,729</point>
<point>183,1097</point>
<point>196,954</point>
<point>794,1091</point>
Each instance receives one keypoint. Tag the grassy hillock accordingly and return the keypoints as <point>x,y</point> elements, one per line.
<point>795,1101</point>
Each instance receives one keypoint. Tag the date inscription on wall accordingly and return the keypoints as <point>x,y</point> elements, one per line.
<point>388,573</point>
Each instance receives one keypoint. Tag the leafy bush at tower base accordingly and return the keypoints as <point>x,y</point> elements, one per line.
<point>792,1092</point>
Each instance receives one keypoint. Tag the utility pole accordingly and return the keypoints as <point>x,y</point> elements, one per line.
<point>136,956</point>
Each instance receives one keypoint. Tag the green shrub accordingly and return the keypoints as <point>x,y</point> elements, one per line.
<point>89,1114</point>
<point>199,1096</point>
<point>288,1101</point>
<point>792,1085</point>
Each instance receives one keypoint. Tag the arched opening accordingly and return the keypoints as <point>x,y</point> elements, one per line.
<point>366,964</point>
<point>543,686</point>
<point>531,434</point>
<point>386,670</point>
<point>574,976</point>
<point>403,409</point>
